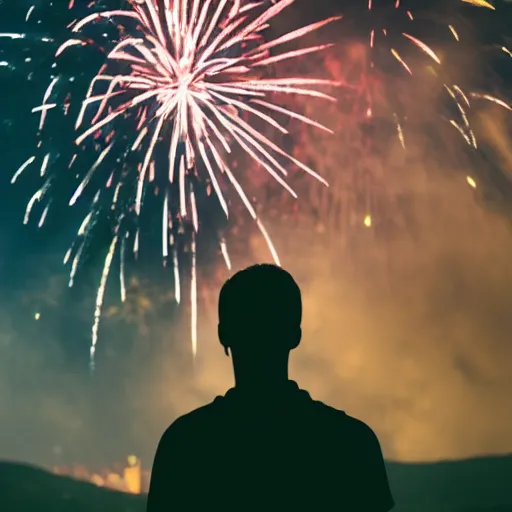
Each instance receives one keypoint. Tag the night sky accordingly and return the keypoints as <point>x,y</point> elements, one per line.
<point>410,332</point>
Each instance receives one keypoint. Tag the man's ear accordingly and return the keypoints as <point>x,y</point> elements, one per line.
<point>296,338</point>
<point>223,338</point>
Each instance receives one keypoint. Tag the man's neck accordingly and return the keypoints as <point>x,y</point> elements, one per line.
<point>266,381</point>
<point>267,376</point>
<point>261,385</point>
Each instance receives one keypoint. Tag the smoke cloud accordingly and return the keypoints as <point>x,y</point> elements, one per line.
<point>407,320</point>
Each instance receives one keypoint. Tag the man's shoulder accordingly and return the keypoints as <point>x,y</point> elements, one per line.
<point>343,422</point>
<point>188,424</point>
<point>202,422</point>
<point>200,414</point>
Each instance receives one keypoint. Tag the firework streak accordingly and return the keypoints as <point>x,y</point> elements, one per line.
<point>458,94</point>
<point>189,73</point>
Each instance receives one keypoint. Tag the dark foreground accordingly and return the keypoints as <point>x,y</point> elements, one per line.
<point>477,485</point>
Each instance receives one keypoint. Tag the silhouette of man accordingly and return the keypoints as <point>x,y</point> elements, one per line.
<point>266,445</point>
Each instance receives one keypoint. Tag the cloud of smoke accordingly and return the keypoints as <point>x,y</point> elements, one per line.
<point>406,322</point>
<point>411,335</point>
<point>406,326</point>
<point>423,357</point>
<point>413,339</point>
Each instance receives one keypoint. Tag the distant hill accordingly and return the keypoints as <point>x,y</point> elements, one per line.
<point>475,485</point>
<point>26,488</point>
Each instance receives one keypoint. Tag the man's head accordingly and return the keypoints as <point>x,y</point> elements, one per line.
<point>260,311</point>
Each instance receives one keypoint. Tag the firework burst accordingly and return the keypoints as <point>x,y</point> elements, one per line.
<point>188,75</point>
<point>393,23</point>
<point>450,86</point>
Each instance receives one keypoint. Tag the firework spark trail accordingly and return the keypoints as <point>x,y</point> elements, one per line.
<point>188,72</point>
<point>99,298</point>
<point>462,107</point>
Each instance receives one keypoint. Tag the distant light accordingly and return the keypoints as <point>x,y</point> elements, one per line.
<point>368,221</point>
<point>471,181</point>
<point>37,316</point>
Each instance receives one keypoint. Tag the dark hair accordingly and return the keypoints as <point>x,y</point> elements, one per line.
<point>262,297</point>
